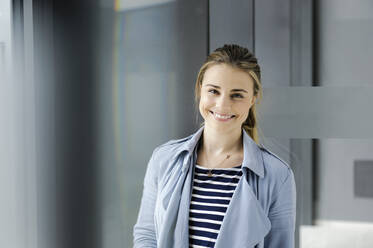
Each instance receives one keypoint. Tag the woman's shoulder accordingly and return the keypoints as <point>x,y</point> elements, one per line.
<point>274,165</point>
<point>171,147</point>
<point>176,142</point>
<point>165,157</point>
<point>271,156</point>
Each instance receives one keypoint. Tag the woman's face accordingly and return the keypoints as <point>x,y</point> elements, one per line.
<point>226,97</point>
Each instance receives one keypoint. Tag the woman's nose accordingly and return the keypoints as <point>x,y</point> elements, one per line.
<point>223,102</point>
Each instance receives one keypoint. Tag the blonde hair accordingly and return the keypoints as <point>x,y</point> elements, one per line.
<point>240,58</point>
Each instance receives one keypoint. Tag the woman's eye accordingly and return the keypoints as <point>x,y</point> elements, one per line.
<point>233,96</point>
<point>237,95</point>
<point>213,91</point>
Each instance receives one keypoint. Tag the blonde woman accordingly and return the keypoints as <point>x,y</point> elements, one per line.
<point>219,187</point>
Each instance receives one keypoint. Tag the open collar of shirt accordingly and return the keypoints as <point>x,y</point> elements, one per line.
<point>252,160</point>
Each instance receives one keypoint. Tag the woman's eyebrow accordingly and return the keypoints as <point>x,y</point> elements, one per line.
<point>218,87</point>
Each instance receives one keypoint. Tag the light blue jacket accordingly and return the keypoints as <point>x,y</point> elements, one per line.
<point>267,221</point>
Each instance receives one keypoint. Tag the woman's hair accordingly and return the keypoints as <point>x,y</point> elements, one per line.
<point>240,58</point>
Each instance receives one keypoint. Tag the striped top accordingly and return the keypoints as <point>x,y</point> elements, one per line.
<point>209,202</point>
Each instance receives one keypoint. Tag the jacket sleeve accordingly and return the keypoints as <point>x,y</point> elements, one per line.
<point>282,214</point>
<point>144,229</point>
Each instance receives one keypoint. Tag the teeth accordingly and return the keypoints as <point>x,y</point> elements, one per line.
<point>223,116</point>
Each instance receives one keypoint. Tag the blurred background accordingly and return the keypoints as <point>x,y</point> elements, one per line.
<point>89,88</point>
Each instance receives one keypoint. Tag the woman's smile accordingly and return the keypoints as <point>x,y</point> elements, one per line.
<point>222,117</point>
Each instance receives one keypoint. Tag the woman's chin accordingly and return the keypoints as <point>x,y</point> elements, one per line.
<point>220,125</point>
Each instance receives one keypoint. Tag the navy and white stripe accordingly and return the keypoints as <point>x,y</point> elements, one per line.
<point>209,202</point>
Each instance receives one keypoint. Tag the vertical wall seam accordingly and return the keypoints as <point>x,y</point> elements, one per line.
<point>253,26</point>
<point>208,28</point>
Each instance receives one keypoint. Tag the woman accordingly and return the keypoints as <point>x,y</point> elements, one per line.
<point>218,187</point>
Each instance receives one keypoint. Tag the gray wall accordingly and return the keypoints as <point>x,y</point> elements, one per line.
<point>10,189</point>
<point>337,200</point>
<point>344,59</point>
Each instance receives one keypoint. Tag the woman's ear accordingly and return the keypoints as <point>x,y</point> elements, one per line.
<point>252,101</point>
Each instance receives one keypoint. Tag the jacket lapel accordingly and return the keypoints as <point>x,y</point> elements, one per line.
<point>176,195</point>
<point>182,226</point>
<point>171,197</point>
<point>245,222</point>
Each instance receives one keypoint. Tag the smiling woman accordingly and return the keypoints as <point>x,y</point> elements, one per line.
<point>220,100</point>
<point>230,79</point>
<point>218,187</point>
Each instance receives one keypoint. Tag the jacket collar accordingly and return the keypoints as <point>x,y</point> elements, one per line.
<point>252,160</point>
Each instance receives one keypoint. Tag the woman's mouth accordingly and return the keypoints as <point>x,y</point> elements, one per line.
<point>222,117</point>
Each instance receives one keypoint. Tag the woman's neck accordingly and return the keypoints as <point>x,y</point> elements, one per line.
<point>217,142</point>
